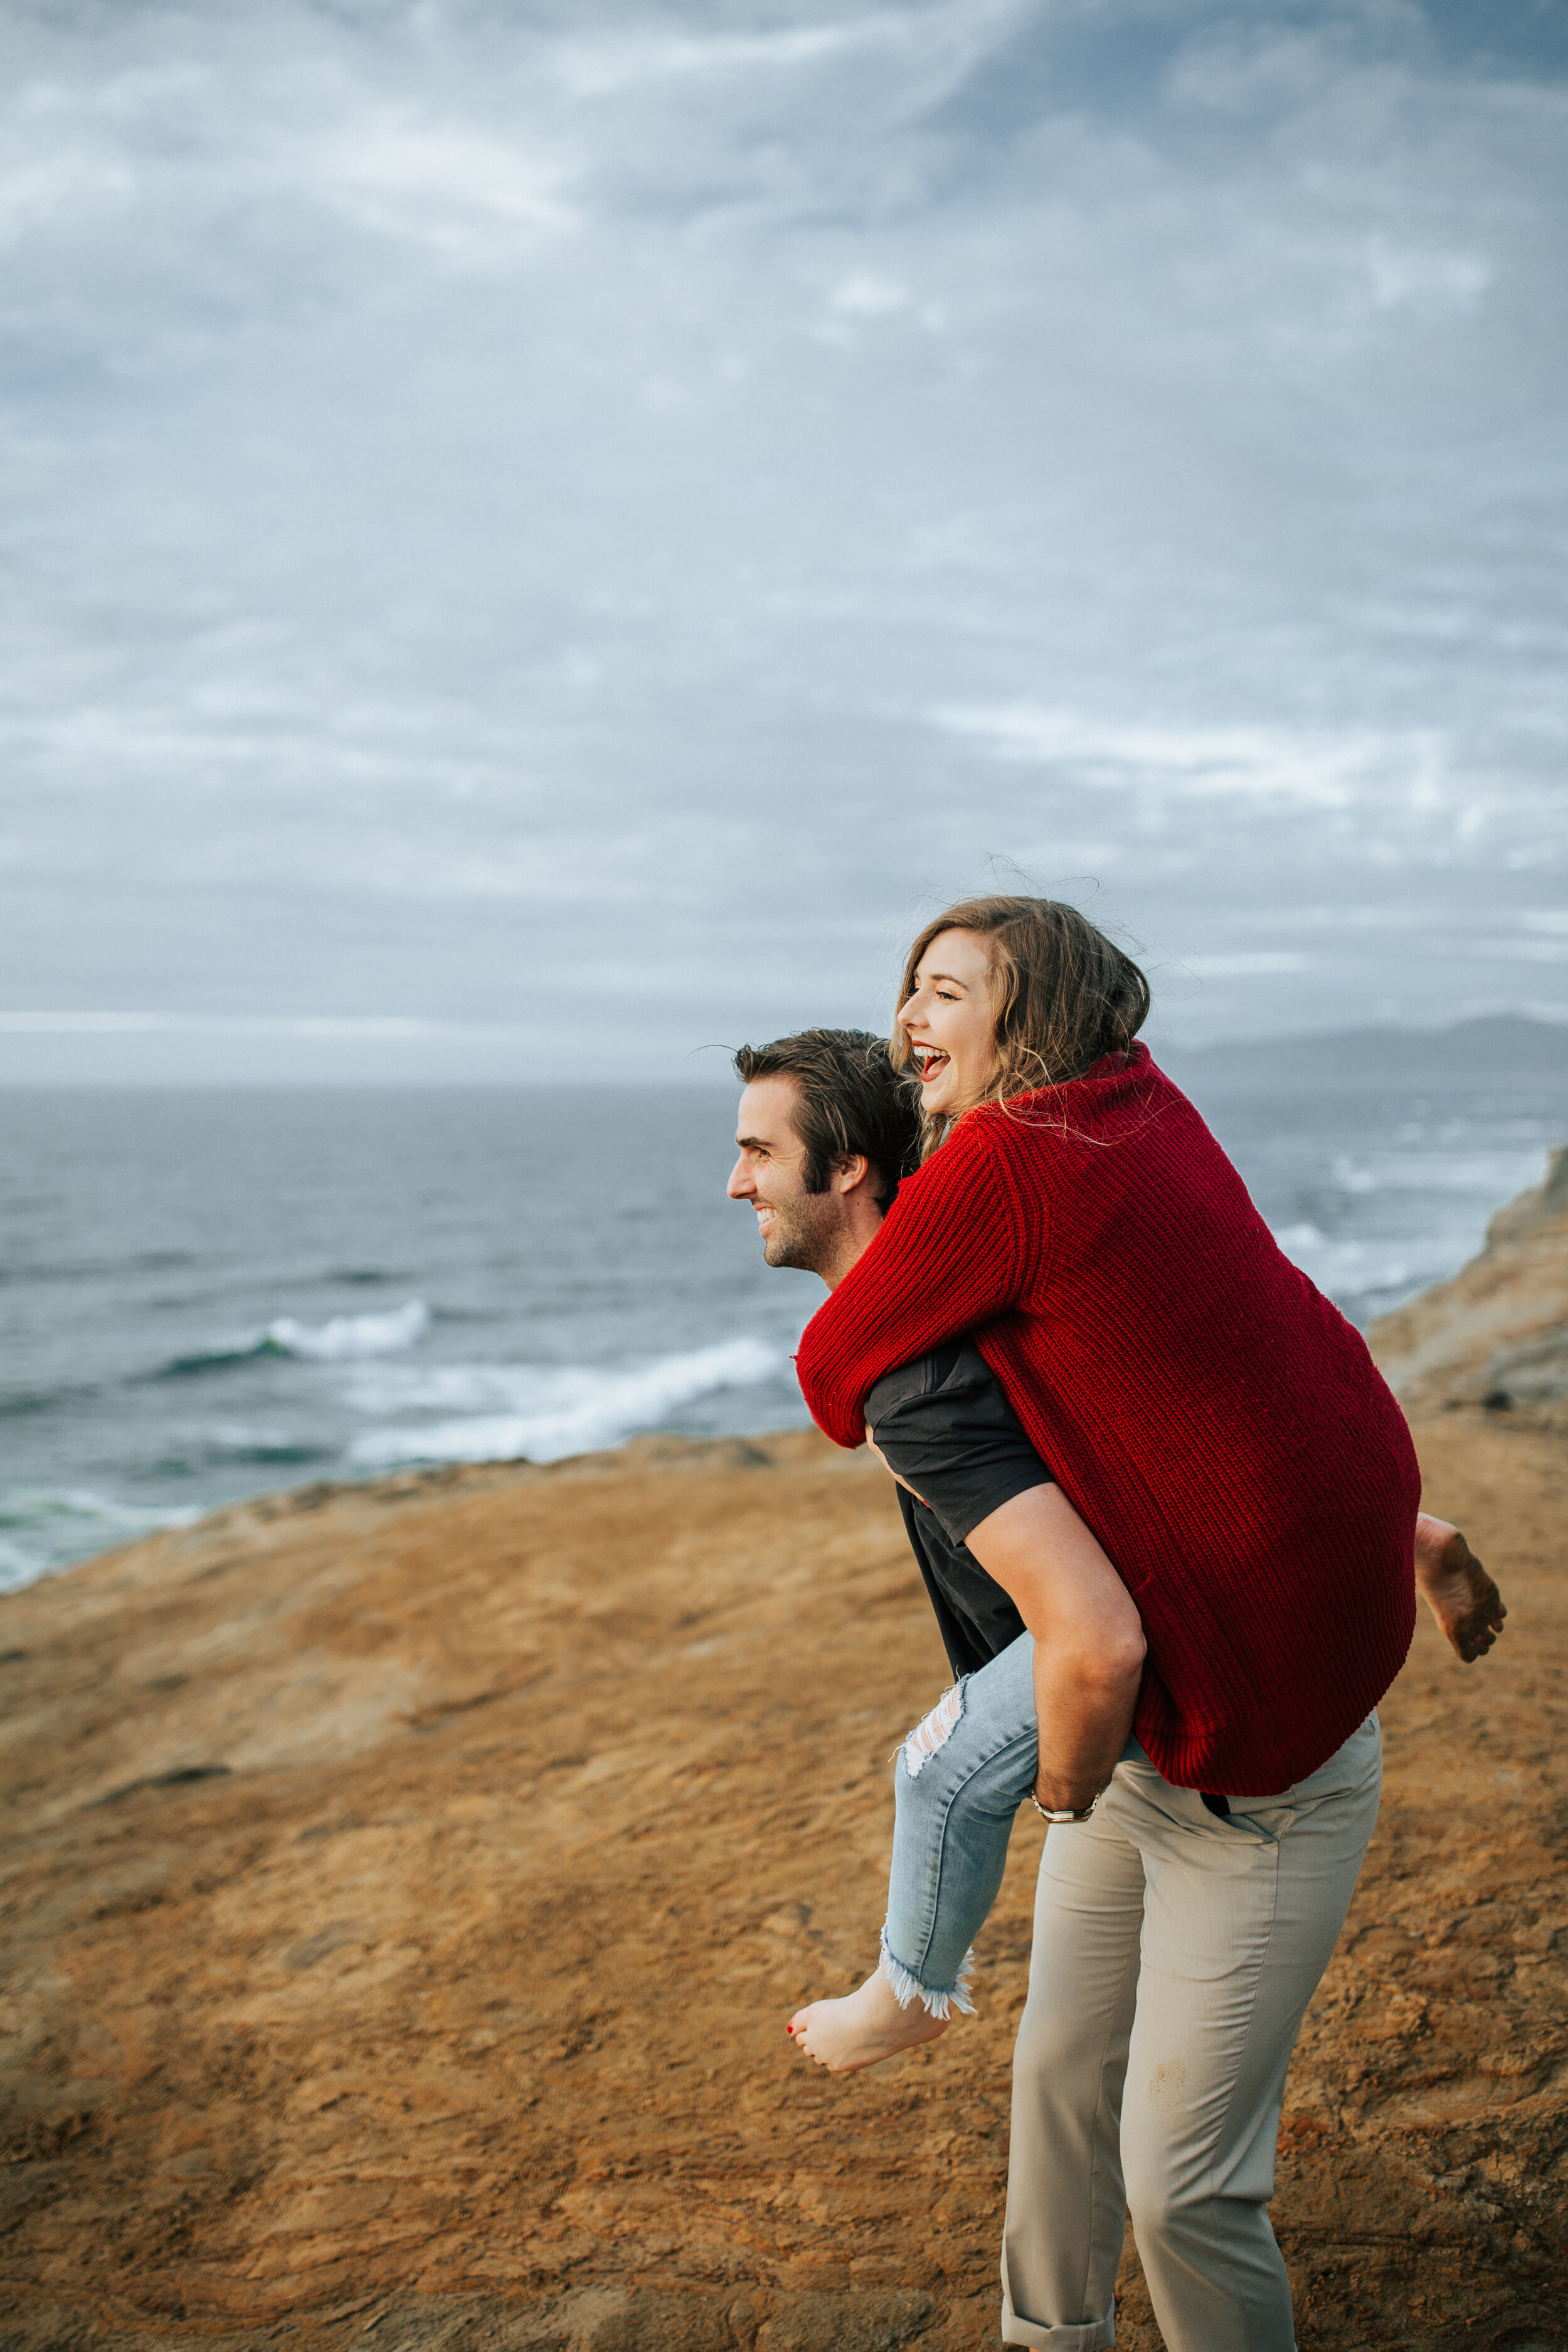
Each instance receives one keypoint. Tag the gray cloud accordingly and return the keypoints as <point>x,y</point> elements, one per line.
<point>580,530</point>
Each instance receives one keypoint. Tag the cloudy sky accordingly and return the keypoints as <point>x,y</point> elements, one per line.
<point>540,534</point>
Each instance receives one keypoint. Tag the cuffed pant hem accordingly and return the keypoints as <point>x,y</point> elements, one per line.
<point>1086,2335</point>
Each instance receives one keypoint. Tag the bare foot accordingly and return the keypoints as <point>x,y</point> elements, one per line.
<point>863,2028</point>
<point>1457,1588</point>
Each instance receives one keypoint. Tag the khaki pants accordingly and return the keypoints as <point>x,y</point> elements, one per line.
<point>1174,1955</point>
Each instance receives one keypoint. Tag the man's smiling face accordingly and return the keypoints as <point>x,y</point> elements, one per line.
<point>797,1227</point>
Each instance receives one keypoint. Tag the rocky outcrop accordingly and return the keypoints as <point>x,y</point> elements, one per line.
<point>1496,1337</point>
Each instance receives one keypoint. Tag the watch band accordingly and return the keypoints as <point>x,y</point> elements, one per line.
<point>1048,1813</point>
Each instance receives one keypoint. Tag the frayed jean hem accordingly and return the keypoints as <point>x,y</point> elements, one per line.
<point>938,2000</point>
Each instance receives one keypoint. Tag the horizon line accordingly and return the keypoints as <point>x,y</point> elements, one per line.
<point>398,1027</point>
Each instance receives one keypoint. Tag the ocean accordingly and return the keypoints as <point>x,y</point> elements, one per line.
<point>209,1293</point>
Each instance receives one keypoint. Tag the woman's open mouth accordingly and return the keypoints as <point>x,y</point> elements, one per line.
<point>931,1061</point>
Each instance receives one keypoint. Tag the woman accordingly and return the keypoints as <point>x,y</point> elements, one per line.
<point>1217,1430</point>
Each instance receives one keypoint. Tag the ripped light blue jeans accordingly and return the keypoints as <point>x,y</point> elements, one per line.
<point>961,1776</point>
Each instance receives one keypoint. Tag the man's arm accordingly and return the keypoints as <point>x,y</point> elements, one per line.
<point>1088,1639</point>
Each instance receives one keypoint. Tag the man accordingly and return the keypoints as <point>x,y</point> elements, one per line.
<point>822,1139</point>
<point>826,1132</point>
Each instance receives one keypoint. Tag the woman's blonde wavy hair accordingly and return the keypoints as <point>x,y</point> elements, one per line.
<point>1065,995</point>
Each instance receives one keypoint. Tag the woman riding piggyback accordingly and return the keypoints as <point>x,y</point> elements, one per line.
<point>1217,1422</point>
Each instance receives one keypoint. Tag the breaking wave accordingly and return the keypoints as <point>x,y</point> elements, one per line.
<point>343,1339</point>
<point>541,1412</point>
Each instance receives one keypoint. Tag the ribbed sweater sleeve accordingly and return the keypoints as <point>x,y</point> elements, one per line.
<point>957,1247</point>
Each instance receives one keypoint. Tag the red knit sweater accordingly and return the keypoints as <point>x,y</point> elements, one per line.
<point>1217,1424</point>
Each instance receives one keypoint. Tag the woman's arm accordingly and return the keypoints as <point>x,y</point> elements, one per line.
<point>1088,1639</point>
<point>955,1251</point>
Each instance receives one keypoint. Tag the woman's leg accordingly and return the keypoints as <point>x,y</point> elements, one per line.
<point>961,1777</point>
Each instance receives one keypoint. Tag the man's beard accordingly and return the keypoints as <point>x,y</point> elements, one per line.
<point>802,1233</point>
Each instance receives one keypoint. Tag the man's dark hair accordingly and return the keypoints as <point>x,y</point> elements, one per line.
<point>852,1101</point>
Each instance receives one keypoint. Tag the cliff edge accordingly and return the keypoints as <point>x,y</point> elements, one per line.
<point>1496,1335</point>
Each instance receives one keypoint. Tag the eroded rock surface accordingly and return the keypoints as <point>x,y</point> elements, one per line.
<point>404,1887</point>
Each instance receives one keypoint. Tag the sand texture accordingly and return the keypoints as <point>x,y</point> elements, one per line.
<point>406,1886</point>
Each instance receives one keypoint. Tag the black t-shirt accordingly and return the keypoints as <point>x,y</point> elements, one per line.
<point>943,1424</point>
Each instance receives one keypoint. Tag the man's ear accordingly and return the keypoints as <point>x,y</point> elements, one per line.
<point>851,1171</point>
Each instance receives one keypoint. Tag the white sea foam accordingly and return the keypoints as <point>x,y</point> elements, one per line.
<point>44,1528</point>
<point>1487,1177</point>
<point>1432,1207</point>
<point>541,1412</point>
<point>232,1440</point>
<point>345,1337</point>
<point>1364,1277</point>
<point>1350,1272</point>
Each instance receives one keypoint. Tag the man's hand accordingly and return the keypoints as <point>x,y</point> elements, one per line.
<point>1088,1639</point>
